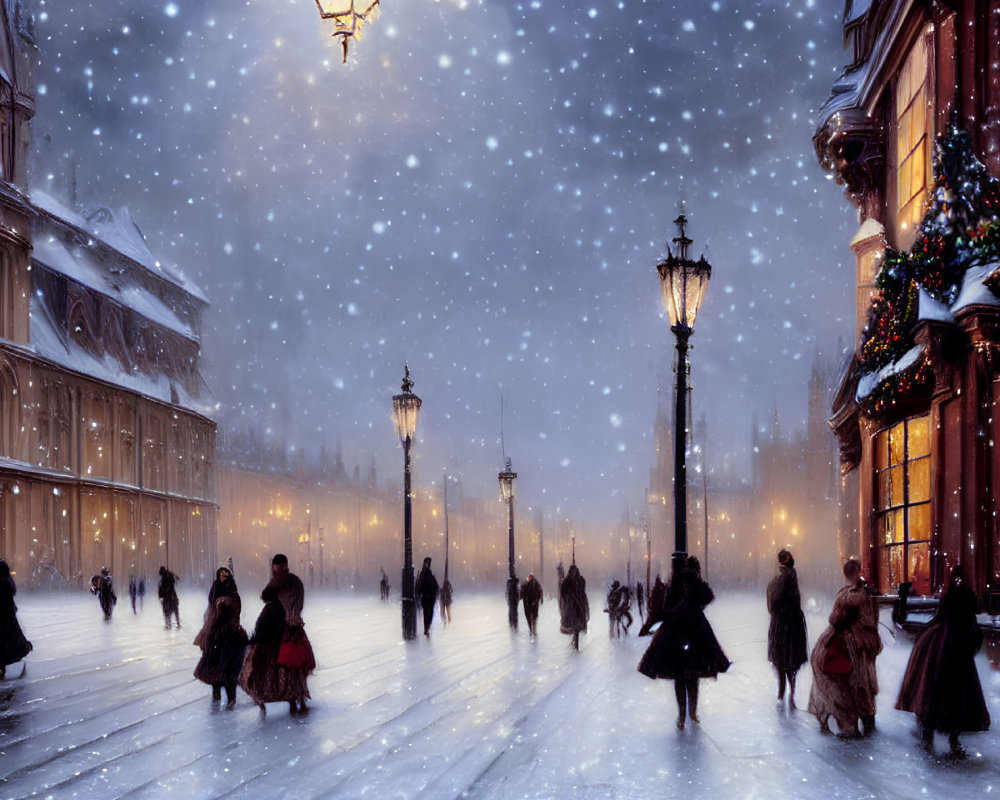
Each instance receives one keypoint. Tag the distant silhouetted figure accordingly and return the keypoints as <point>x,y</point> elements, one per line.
<point>13,645</point>
<point>133,592</point>
<point>383,585</point>
<point>446,594</point>
<point>941,685</point>
<point>531,599</point>
<point>102,586</point>
<point>657,606</point>
<point>640,599</point>
<point>427,591</point>
<point>573,605</point>
<point>167,591</point>
<point>786,636</point>
<point>684,647</point>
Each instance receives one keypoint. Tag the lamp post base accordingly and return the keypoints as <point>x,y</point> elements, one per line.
<point>512,591</point>
<point>409,605</point>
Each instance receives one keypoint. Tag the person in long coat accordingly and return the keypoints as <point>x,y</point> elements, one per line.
<point>262,677</point>
<point>446,597</point>
<point>426,590</point>
<point>223,651</point>
<point>167,591</point>
<point>787,641</point>
<point>224,585</point>
<point>941,684</point>
<point>13,646</point>
<point>531,599</point>
<point>291,593</point>
<point>847,693</point>
<point>102,586</point>
<point>684,647</point>
<point>574,607</point>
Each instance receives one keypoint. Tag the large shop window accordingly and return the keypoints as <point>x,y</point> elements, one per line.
<point>903,505</point>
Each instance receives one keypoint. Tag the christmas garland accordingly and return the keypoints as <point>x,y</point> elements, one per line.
<point>959,229</point>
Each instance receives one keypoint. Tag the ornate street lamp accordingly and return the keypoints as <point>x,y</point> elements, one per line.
<point>682,284</point>
<point>348,16</point>
<point>508,483</point>
<point>405,408</point>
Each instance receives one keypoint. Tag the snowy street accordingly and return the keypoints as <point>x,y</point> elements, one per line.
<point>112,710</point>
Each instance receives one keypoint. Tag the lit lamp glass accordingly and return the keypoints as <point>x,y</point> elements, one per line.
<point>508,483</point>
<point>405,409</point>
<point>682,281</point>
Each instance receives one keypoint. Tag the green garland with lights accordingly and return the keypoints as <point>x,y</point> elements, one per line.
<point>959,229</point>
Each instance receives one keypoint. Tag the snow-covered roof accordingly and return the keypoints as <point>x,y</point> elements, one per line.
<point>930,309</point>
<point>868,382</point>
<point>118,231</point>
<point>82,265</point>
<point>47,342</point>
<point>974,291</point>
<point>869,229</point>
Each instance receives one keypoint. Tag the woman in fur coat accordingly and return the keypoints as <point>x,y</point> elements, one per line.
<point>224,585</point>
<point>847,694</point>
<point>222,655</point>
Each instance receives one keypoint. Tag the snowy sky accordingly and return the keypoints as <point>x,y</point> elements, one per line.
<point>484,191</point>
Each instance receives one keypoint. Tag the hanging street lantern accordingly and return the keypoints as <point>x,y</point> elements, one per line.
<point>348,18</point>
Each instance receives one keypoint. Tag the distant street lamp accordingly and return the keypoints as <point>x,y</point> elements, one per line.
<point>682,284</point>
<point>405,408</point>
<point>508,483</point>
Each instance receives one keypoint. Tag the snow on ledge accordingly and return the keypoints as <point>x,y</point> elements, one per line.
<point>869,381</point>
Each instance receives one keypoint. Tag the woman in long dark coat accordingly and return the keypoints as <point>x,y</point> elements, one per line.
<point>13,645</point>
<point>684,647</point>
<point>574,606</point>
<point>531,598</point>
<point>426,589</point>
<point>941,685</point>
<point>262,677</point>
<point>222,654</point>
<point>167,592</point>
<point>224,585</point>
<point>786,637</point>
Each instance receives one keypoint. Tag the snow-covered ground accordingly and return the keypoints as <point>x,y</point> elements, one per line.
<point>111,710</point>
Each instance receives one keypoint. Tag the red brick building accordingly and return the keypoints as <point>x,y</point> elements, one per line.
<point>912,131</point>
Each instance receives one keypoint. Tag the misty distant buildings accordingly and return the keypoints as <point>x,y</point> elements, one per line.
<point>912,131</point>
<point>106,444</point>
<point>790,498</point>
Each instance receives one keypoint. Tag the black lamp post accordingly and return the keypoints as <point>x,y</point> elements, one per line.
<point>682,283</point>
<point>508,482</point>
<point>405,408</point>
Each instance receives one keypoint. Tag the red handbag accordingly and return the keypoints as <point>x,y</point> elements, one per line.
<point>296,652</point>
<point>835,660</point>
